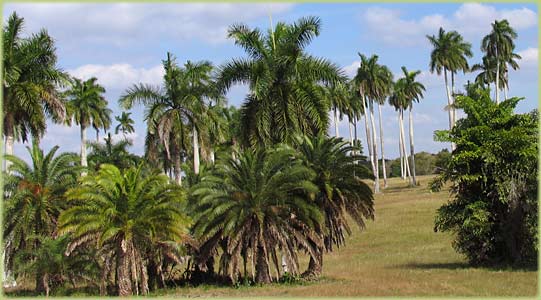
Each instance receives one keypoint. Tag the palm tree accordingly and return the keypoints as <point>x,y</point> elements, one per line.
<point>34,197</point>
<point>255,206</point>
<point>30,82</point>
<point>339,193</point>
<point>399,101</point>
<point>102,121</point>
<point>125,124</point>
<point>285,96</point>
<point>86,106</point>
<point>176,108</point>
<point>125,211</point>
<point>338,96</point>
<point>499,45</point>
<point>112,153</point>
<point>450,53</point>
<point>385,84</point>
<point>413,91</point>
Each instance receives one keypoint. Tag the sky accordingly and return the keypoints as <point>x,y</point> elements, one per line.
<point>123,44</point>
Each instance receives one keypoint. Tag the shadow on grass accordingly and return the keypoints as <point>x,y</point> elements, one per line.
<point>464,265</point>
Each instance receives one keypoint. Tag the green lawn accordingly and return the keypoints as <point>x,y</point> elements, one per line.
<point>398,254</point>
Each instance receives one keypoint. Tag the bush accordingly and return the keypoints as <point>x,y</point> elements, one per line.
<point>493,178</point>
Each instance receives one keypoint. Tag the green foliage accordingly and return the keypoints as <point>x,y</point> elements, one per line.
<point>112,153</point>
<point>493,178</point>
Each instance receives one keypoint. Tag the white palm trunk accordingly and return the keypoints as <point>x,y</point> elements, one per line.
<point>368,135</point>
<point>382,149</point>
<point>402,171</point>
<point>84,162</point>
<point>177,171</point>
<point>350,131</point>
<point>212,157</point>
<point>412,149</point>
<point>403,136</point>
<point>450,103</point>
<point>195,151</point>
<point>336,134</point>
<point>10,140</point>
<point>497,78</point>
<point>374,148</point>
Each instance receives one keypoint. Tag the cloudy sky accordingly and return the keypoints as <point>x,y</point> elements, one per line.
<point>123,44</point>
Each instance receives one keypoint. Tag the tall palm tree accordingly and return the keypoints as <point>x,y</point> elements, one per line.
<point>385,84</point>
<point>449,54</point>
<point>86,106</point>
<point>285,96</point>
<point>499,45</point>
<point>339,193</point>
<point>255,206</point>
<point>30,82</point>
<point>34,197</point>
<point>413,91</point>
<point>125,211</point>
<point>125,124</point>
<point>338,96</point>
<point>177,107</point>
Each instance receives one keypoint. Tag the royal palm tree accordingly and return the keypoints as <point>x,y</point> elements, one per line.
<point>385,84</point>
<point>399,101</point>
<point>30,81</point>
<point>449,54</point>
<point>499,45</point>
<point>110,152</point>
<point>339,193</point>
<point>413,92</point>
<point>257,205</point>
<point>34,197</point>
<point>86,106</point>
<point>180,104</point>
<point>102,121</point>
<point>125,211</point>
<point>125,124</point>
<point>285,96</point>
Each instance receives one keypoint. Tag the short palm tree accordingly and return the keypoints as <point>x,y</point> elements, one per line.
<point>413,92</point>
<point>125,211</point>
<point>34,197</point>
<point>499,45</point>
<point>86,106</point>
<point>30,81</point>
<point>125,124</point>
<point>110,152</point>
<point>257,205</point>
<point>285,96</point>
<point>341,191</point>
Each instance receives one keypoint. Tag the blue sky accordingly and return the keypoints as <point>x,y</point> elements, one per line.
<point>123,44</point>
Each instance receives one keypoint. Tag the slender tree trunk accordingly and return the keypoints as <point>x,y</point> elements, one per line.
<point>406,163</point>
<point>382,149</point>
<point>355,139</point>
<point>506,86</point>
<point>123,270</point>
<point>195,151</point>
<point>212,157</point>
<point>97,135</point>
<point>368,136</point>
<point>411,146</point>
<point>402,171</point>
<point>84,162</point>
<point>453,91</point>
<point>497,78</point>
<point>262,267</point>
<point>450,103</point>
<point>9,140</point>
<point>176,169</point>
<point>350,131</point>
<point>375,148</point>
<point>336,134</point>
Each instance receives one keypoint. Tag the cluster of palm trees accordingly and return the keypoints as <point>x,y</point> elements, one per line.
<point>260,182</point>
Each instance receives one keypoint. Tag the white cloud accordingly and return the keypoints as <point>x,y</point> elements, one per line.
<point>471,19</point>
<point>530,58</point>
<point>119,76</point>
<point>351,69</point>
<point>123,23</point>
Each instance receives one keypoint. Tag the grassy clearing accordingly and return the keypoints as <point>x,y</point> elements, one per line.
<point>398,254</point>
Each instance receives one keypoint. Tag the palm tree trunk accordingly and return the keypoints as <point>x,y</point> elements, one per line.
<point>336,134</point>
<point>401,153</point>
<point>411,146</point>
<point>497,78</point>
<point>350,131</point>
<point>368,136</point>
<point>176,169</point>
<point>123,270</point>
<point>382,149</point>
<point>262,268</point>
<point>453,111</point>
<point>195,151</point>
<point>406,163</point>
<point>97,135</point>
<point>450,103</point>
<point>375,148</point>
<point>355,139</point>
<point>212,157</point>
<point>84,162</point>
<point>315,265</point>
<point>9,148</point>
<point>506,86</point>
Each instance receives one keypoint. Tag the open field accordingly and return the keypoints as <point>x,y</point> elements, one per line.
<point>398,254</point>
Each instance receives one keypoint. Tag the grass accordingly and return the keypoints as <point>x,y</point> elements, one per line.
<point>398,254</point>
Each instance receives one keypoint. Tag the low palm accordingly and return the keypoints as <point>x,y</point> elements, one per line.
<point>110,152</point>
<point>125,212</point>
<point>34,197</point>
<point>257,205</point>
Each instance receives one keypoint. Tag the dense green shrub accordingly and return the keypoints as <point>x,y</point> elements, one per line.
<point>493,178</point>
